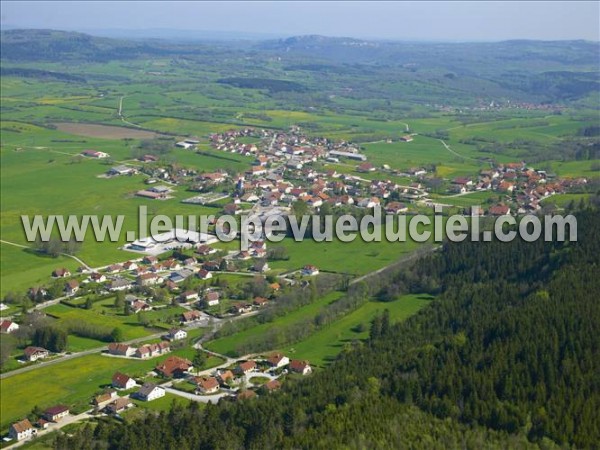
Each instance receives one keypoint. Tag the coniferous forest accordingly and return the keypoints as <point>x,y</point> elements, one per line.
<point>507,356</point>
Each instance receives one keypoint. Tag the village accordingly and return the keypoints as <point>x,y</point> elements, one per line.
<point>292,166</point>
<point>287,169</point>
<point>236,380</point>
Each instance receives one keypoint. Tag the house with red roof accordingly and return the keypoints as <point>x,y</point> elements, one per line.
<point>300,366</point>
<point>35,353</point>
<point>206,385</point>
<point>122,381</point>
<point>278,360</point>
<point>174,367</point>
<point>8,326</point>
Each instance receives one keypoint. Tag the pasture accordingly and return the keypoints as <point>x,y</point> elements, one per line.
<point>22,268</point>
<point>323,346</point>
<point>228,345</point>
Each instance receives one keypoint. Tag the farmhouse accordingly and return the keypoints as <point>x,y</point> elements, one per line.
<point>8,326</point>
<point>204,274</point>
<point>34,293</point>
<point>278,360</point>
<point>139,305</point>
<point>122,381</point>
<point>105,398</point>
<point>121,170</point>
<point>119,284</point>
<point>245,367</point>
<point>149,392</point>
<point>151,195</point>
<point>148,279</point>
<point>395,208</point>
<point>299,366</point>
<point>71,287</point>
<point>406,138</point>
<point>150,260</point>
<point>499,210</point>
<point>365,167</point>
<point>241,308</point>
<point>55,413</point>
<point>260,301</point>
<point>94,154</point>
<point>206,385</point>
<point>130,265</point>
<point>174,366</point>
<point>96,277</point>
<point>151,350</point>
<point>61,273</point>
<point>176,334</point>
<point>114,348</point>
<point>35,353</point>
<point>119,405</point>
<point>188,296</point>
<point>21,430</point>
<point>148,158</point>
<point>224,375</point>
<point>204,250</point>
<point>212,298</point>
<point>191,316</point>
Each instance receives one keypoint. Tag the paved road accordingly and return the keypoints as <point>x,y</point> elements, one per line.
<point>214,398</point>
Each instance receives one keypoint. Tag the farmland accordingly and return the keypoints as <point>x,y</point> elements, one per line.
<point>132,107</point>
<point>323,346</point>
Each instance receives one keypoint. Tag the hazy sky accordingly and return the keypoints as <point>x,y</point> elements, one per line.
<point>464,21</point>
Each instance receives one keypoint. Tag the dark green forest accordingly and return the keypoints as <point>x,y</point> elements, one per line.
<point>505,357</point>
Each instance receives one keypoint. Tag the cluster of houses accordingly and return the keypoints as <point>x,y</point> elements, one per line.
<point>175,367</point>
<point>24,429</point>
<point>143,352</point>
<point>524,185</point>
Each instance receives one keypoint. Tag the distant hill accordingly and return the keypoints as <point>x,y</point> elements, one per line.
<point>457,73</point>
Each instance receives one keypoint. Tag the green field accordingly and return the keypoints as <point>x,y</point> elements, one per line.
<point>227,345</point>
<point>323,346</point>
<point>21,269</point>
<point>357,257</point>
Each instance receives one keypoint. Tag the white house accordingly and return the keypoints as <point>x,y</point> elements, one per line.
<point>22,430</point>
<point>8,326</point>
<point>278,360</point>
<point>35,353</point>
<point>299,366</point>
<point>122,381</point>
<point>150,391</point>
<point>176,334</point>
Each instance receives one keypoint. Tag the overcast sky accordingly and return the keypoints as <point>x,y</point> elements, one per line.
<point>432,21</point>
